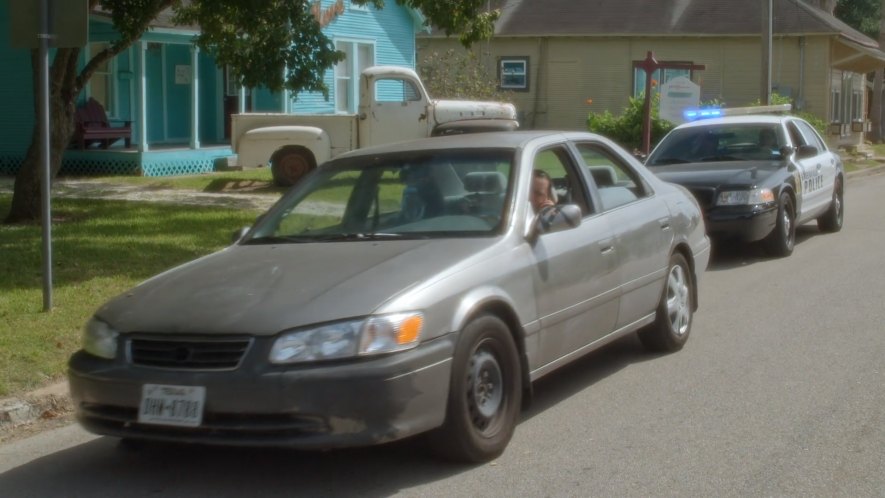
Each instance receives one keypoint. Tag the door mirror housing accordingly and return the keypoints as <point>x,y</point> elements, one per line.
<point>239,234</point>
<point>806,151</point>
<point>555,219</point>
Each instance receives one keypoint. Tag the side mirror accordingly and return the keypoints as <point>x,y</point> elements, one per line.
<point>806,151</point>
<point>786,151</point>
<point>556,219</point>
<point>239,234</point>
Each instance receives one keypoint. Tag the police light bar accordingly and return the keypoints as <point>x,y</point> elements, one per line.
<point>716,112</point>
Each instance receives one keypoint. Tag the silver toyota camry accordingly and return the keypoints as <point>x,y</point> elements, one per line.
<point>414,288</point>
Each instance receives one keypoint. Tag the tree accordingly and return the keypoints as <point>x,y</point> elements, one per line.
<point>457,75</point>
<point>272,43</point>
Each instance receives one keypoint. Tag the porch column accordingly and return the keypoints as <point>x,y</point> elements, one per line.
<point>285,93</point>
<point>195,98</point>
<point>242,105</point>
<point>142,97</point>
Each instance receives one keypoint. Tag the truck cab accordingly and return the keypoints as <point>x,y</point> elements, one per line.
<point>394,107</point>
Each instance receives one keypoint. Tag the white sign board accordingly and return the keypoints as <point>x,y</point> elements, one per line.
<point>677,95</point>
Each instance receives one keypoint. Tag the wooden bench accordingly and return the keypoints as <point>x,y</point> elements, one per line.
<point>93,127</point>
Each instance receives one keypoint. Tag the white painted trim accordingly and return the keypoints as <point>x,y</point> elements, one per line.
<point>163,100</point>
<point>195,97</point>
<point>142,98</point>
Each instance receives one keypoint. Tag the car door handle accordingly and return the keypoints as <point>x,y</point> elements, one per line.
<point>665,225</point>
<point>607,250</point>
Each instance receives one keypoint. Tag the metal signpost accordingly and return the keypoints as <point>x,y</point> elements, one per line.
<point>650,65</point>
<point>41,25</point>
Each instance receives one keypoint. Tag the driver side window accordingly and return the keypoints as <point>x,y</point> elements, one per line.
<point>556,163</point>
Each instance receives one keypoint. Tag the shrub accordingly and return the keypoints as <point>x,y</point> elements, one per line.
<point>626,129</point>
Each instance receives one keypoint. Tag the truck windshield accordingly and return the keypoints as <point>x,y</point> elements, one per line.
<point>452,193</point>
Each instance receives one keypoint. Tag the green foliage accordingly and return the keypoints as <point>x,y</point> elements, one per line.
<point>626,129</point>
<point>459,75</point>
<point>862,15</point>
<point>469,19</point>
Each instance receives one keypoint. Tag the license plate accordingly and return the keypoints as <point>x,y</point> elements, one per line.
<point>172,405</point>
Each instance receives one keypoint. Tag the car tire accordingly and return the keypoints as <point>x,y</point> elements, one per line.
<point>674,315</point>
<point>831,221</point>
<point>289,164</point>
<point>481,416</point>
<point>782,239</point>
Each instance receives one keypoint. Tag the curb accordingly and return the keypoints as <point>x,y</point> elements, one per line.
<point>46,403</point>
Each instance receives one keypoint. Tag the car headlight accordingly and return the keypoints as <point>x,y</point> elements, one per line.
<point>373,335</point>
<point>100,339</point>
<point>745,197</point>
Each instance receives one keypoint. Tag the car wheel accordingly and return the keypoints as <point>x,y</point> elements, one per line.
<point>484,395</point>
<point>673,318</point>
<point>781,240</point>
<point>289,164</point>
<point>831,221</point>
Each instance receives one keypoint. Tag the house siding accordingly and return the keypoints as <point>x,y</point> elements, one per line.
<point>582,75</point>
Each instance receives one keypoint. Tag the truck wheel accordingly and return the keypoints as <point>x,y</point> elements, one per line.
<point>289,164</point>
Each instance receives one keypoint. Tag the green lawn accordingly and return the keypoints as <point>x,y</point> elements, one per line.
<point>252,179</point>
<point>100,248</point>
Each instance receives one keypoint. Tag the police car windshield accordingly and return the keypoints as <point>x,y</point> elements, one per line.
<point>718,143</point>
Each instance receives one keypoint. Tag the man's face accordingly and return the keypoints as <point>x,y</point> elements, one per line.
<point>539,196</point>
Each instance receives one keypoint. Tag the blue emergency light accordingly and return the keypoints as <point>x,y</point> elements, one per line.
<point>705,113</point>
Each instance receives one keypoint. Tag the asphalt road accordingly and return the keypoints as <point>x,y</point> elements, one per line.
<point>779,392</point>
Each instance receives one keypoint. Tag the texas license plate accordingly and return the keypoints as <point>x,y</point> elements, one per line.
<point>172,405</point>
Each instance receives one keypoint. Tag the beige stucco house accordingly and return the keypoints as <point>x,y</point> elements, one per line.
<point>565,58</point>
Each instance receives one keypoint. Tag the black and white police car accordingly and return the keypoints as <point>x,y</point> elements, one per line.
<point>756,177</point>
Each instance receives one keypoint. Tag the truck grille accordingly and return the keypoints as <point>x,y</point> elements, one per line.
<point>192,354</point>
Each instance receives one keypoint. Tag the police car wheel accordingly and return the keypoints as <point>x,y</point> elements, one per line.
<point>781,240</point>
<point>831,221</point>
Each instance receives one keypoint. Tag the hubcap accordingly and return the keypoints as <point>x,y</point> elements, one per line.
<point>788,226</point>
<point>294,166</point>
<point>678,300</point>
<point>485,393</point>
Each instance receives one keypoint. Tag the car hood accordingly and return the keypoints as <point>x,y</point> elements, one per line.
<point>716,174</point>
<point>264,289</point>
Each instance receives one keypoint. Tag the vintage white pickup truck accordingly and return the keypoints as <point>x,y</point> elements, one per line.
<point>394,106</point>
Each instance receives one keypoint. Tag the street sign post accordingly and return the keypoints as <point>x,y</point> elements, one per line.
<point>41,25</point>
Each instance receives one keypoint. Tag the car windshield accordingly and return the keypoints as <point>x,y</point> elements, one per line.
<point>727,142</point>
<point>417,194</point>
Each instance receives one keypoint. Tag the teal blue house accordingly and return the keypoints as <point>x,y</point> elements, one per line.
<point>179,101</point>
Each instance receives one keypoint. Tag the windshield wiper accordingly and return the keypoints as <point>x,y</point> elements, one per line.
<point>278,239</point>
<point>669,160</point>
<point>361,236</point>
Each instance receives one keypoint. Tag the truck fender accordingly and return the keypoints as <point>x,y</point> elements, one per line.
<point>258,145</point>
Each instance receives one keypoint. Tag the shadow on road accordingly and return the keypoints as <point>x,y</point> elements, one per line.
<point>728,255</point>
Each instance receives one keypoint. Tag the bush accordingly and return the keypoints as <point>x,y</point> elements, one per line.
<point>626,129</point>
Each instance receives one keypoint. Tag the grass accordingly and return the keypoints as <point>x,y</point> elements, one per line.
<point>256,180</point>
<point>100,249</point>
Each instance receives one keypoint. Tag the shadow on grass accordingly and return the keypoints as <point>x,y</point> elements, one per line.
<point>239,185</point>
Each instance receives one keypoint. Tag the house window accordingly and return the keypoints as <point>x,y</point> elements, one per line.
<point>357,57</point>
<point>513,73</point>
<point>835,106</point>
<point>657,80</point>
<point>101,85</point>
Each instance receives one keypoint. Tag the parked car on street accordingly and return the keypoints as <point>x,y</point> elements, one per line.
<point>403,289</point>
<point>756,177</point>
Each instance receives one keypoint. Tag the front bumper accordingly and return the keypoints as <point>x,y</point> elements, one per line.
<point>355,403</point>
<point>743,223</point>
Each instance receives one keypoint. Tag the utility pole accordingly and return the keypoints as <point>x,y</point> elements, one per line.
<point>765,84</point>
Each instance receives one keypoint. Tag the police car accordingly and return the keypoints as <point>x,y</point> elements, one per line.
<point>756,177</point>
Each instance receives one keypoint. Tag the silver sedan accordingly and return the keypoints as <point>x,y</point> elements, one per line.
<point>414,288</point>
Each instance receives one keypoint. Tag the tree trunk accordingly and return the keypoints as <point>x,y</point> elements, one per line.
<point>64,86</point>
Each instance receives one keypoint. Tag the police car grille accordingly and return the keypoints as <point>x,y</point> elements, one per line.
<point>214,354</point>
